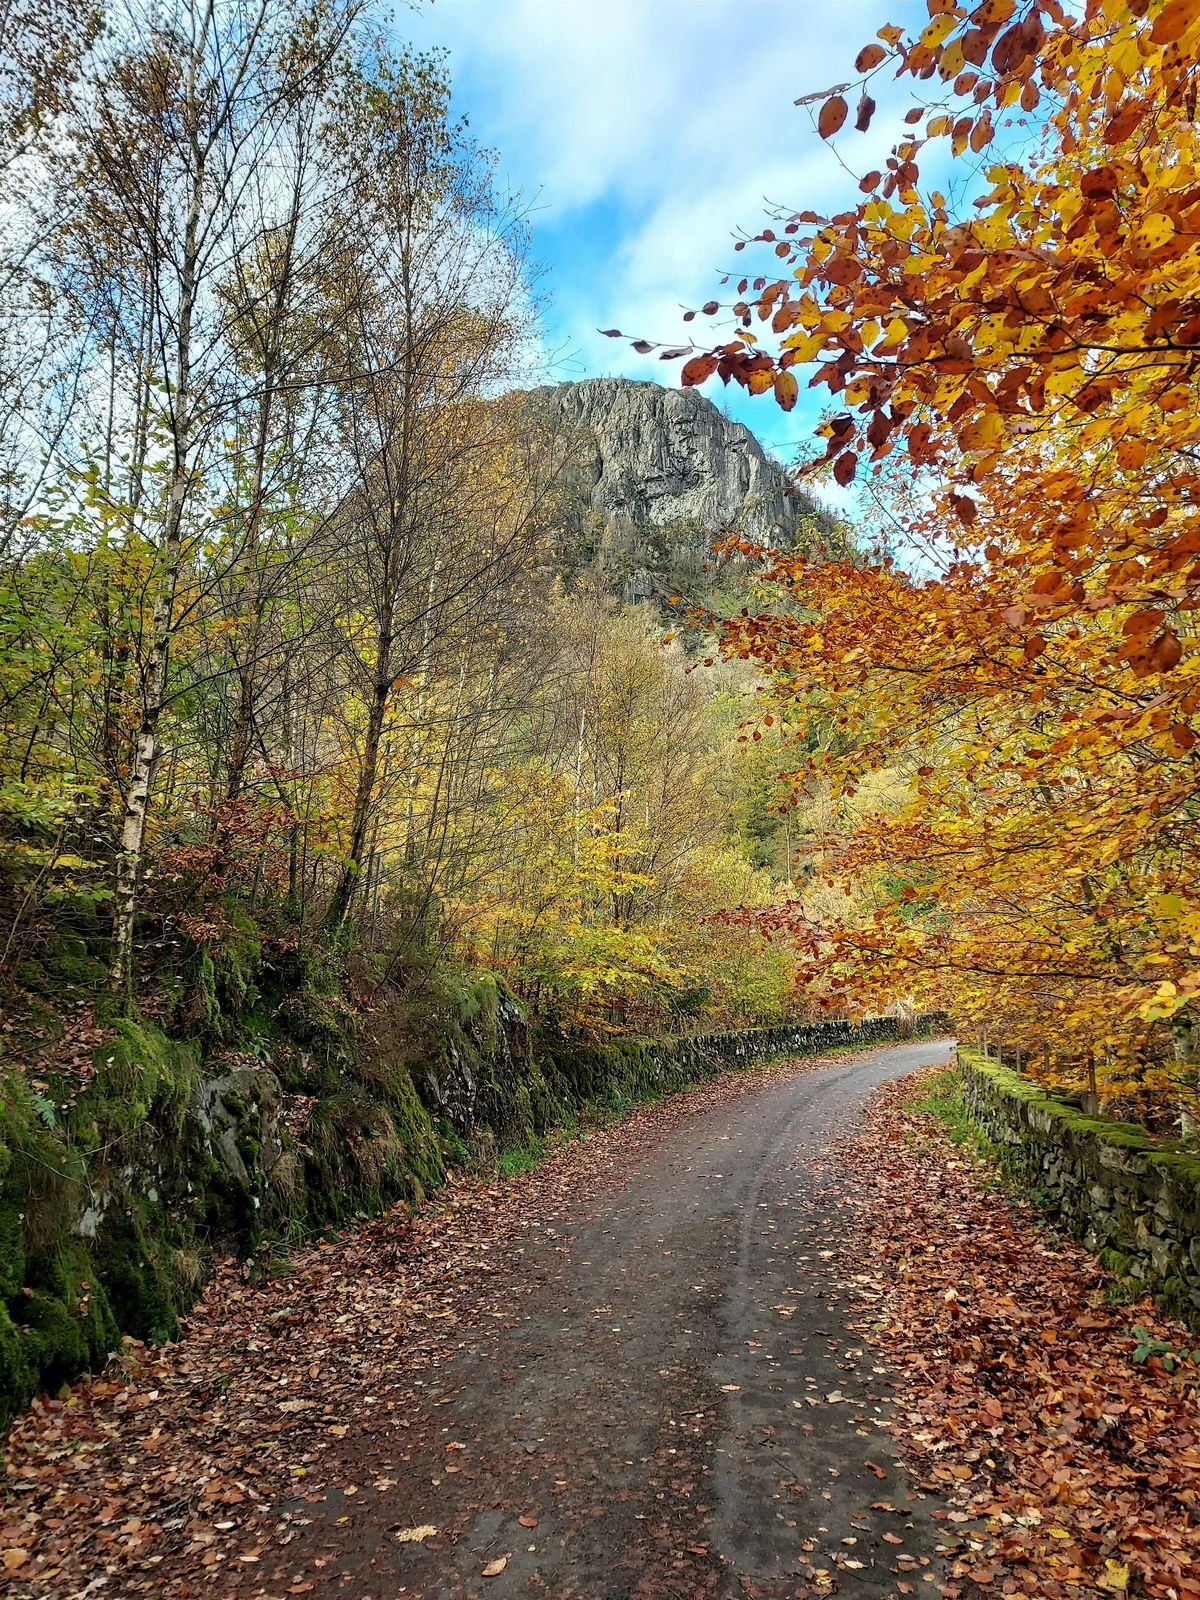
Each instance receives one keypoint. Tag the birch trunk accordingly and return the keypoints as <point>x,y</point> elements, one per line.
<point>154,679</point>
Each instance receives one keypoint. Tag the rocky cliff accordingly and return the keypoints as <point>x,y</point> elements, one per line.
<point>658,475</point>
<point>654,456</point>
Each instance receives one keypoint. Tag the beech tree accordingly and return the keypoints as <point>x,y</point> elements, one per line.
<point>1030,354</point>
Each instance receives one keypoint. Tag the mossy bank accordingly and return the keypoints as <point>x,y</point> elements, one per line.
<point>115,1197</point>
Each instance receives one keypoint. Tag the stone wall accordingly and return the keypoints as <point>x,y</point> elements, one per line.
<point>109,1216</point>
<point>1132,1199</point>
<point>629,1069</point>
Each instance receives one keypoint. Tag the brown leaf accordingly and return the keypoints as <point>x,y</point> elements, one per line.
<point>832,116</point>
<point>1166,651</point>
<point>697,370</point>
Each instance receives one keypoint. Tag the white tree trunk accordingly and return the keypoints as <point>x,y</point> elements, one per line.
<point>154,680</point>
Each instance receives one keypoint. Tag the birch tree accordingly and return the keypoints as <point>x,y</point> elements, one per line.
<point>180,122</point>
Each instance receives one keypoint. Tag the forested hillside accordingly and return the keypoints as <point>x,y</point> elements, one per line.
<point>312,648</point>
<point>352,767</point>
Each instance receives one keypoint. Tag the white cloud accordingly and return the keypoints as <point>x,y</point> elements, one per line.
<point>651,130</point>
<point>626,98</point>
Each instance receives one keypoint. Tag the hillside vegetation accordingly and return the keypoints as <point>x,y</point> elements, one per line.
<point>348,811</point>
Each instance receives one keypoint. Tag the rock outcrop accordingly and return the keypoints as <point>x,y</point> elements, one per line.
<point>653,457</point>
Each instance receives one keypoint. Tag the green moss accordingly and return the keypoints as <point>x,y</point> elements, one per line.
<point>73,1278</point>
<point>1172,1295</point>
<point>140,1071</point>
<point>221,984</point>
<point>1179,1165</point>
<point>57,1324</point>
<point>18,1374</point>
<point>40,1183</point>
<point>314,1019</point>
<point>359,1157</point>
<point>1115,1261</point>
<point>455,1148</point>
<point>204,989</point>
<point>140,1280</point>
<point>71,960</point>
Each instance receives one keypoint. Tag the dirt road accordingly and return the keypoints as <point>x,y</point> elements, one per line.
<point>677,1409</point>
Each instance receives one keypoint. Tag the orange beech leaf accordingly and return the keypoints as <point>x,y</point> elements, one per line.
<point>698,369</point>
<point>832,116</point>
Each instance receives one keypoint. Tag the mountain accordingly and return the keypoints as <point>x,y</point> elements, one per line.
<point>668,455</point>
<point>659,474</point>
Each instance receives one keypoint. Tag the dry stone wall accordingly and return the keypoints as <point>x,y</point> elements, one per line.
<point>1132,1199</point>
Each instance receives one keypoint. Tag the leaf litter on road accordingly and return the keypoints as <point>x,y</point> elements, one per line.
<point>1072,1470</point>
<point>185,1464</point>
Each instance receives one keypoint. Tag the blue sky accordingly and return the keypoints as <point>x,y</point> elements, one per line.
<point>644,133</point>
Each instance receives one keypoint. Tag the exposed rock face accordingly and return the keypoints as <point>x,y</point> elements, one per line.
<point>662,456</point>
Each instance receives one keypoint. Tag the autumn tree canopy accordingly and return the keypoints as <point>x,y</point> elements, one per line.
<point>1026,359</point>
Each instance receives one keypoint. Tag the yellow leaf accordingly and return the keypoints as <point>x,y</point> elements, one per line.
<point>983,433</point>
<point>1115,1578</point>
<point>1157,229</point>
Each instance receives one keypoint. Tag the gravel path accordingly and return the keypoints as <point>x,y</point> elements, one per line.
<point>678,1408</point>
